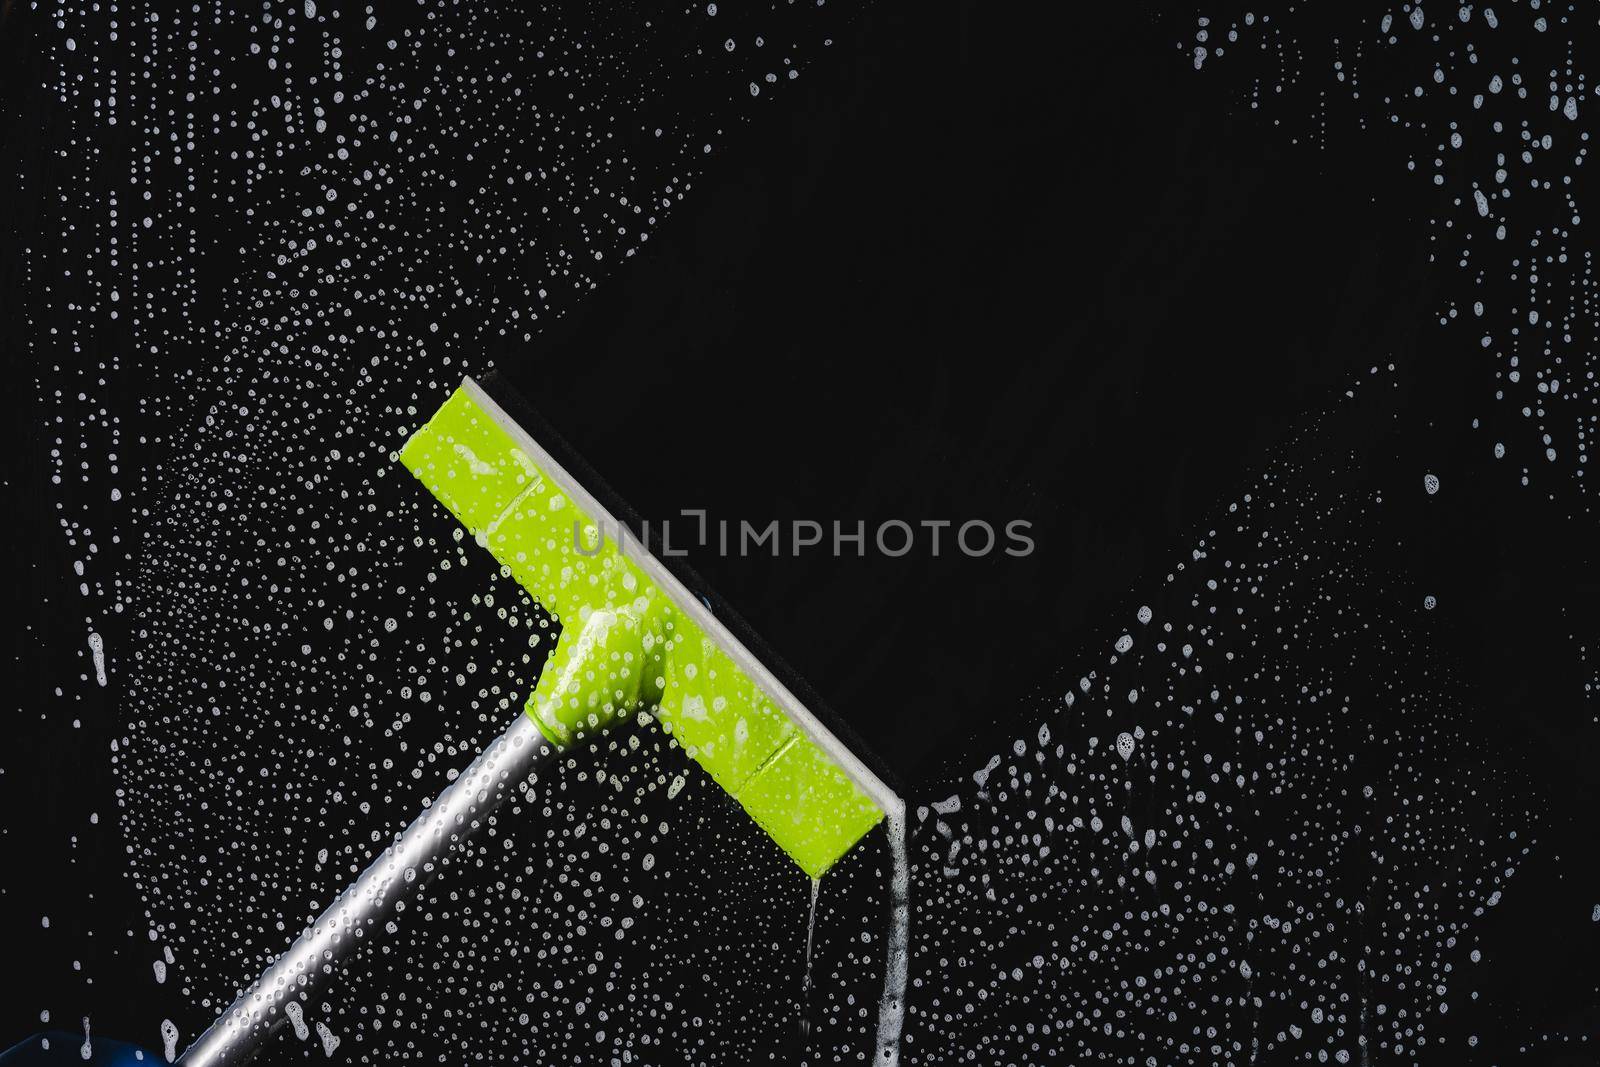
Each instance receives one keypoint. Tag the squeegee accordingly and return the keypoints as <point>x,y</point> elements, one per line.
<point>633,640</point>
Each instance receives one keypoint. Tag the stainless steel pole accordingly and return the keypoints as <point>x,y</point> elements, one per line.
<point>239,1033</point>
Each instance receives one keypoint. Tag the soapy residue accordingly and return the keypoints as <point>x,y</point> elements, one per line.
<point>1211,789</point>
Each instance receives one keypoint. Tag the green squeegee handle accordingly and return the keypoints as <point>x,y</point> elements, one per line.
<point>364,909</point>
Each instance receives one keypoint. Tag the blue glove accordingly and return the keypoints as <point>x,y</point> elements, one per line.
<point>57,1048</point>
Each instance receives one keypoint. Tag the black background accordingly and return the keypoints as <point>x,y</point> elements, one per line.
<point>960,279</point>
<point>984,265</point>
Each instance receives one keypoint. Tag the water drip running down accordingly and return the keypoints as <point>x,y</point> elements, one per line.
<point>892,1005</point>
<point>805,982</point>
